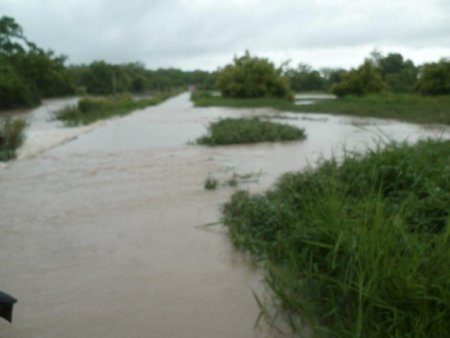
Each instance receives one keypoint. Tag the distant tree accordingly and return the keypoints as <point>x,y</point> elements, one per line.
<point>365,79</point>
<point>434,78</point>
<point>253,77</point>
<point>399,75</point>
<point>305,78</point>
<point>332,76</point>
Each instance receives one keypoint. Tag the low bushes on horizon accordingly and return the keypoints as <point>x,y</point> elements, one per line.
<point>11,138</point>
<point>357,249</point>
<point>406,107</point>
<point>93,108</point>
<point>249,130</point>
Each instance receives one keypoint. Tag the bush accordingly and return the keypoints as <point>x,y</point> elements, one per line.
<point>435,78</point>
<point>359,249</point>
<point>243,130</point>
<point>364,80</point>
<point>11,138</point>
<point>253,77</point>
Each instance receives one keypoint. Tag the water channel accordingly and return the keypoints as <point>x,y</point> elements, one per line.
<point>101,227</point>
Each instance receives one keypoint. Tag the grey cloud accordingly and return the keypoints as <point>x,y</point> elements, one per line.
<point>181,33</point>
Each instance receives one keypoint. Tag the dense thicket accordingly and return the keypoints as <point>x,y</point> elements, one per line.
<point>434,78</point>
<point>390,73</point>
<point>102,78</point>
<point>28,73</point>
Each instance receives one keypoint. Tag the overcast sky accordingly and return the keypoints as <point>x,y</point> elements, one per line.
<point>206,34</point>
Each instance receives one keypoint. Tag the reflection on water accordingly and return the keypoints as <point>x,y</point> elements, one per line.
<point>101,236</point>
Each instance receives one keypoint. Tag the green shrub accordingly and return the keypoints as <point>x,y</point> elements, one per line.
<point>253,77</point>
<point>211,183</point>
<point>94,108</point>
<point>249,130</point>
<point>365,79</point>
<point>435,78</point>
<point>357,249</point>
<point>11,138</point>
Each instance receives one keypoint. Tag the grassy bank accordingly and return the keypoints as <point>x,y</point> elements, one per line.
<point>11,138</point>
<point>405,107</point>
<point>244,130</point>
<point>357,249</point>
<point>91,109</point>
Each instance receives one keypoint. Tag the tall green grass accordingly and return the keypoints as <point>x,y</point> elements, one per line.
<point>359,248</point>
<point>11,138</point>
<point>249,130</point>
<point>93,108</point>
<point>405,107</point>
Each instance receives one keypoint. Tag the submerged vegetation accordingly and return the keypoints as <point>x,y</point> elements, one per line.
<point>405,107</point>
<point>211,183</point>
<point>90,109</point>
<point>11,138</point>
<point>249,130</point>
<point>356,249</point>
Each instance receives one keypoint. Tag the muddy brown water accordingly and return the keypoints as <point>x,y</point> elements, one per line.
<point>101,227</point>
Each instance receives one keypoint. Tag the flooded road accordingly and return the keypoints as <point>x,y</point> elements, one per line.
<point>101,227</point>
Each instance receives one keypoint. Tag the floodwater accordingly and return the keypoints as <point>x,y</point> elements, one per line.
<point>102,228</point>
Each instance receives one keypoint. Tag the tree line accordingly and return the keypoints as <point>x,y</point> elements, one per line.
<point>29,73</point>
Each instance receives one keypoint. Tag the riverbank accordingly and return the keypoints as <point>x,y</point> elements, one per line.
<point>403,107</point>
<point>356,249</point>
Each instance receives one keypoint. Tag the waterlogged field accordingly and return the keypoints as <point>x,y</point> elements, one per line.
<point>116,214</point>
<point>403,107</point>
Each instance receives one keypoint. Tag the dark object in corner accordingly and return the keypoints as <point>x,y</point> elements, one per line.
<point>6,306</point>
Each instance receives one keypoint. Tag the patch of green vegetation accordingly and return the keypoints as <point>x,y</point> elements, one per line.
<point>11,138</point>
<point>211,183</point>
<point>91,109</point>
<point>249,130</point>
<point>405,107</point>
<point>253,77</point>
<point>356,249</point>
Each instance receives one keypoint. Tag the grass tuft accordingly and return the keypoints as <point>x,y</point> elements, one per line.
<point>244,130</point>
<point>211,183</point>
<point>360,248</point>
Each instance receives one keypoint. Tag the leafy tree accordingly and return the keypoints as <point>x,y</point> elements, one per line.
<point>28,73</point>
<point>399,75</point>
<point>365,79</point>
<point>304,78</point>
<point>253,77</point>
<point>434,78</point>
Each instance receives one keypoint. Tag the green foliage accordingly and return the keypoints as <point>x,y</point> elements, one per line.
<point>211,183</point>
<point>252,77</point>
<point>11,138</point>
<point>435,78</point>
<point>102,78</point>
<point>399,75</point>
<point>358,249</point>
<point>92,109</point>
<point>27,73</point>
<point>364,80</point>
<point>406,107</point>
<point>244,130</point>
<point>304,78</point>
